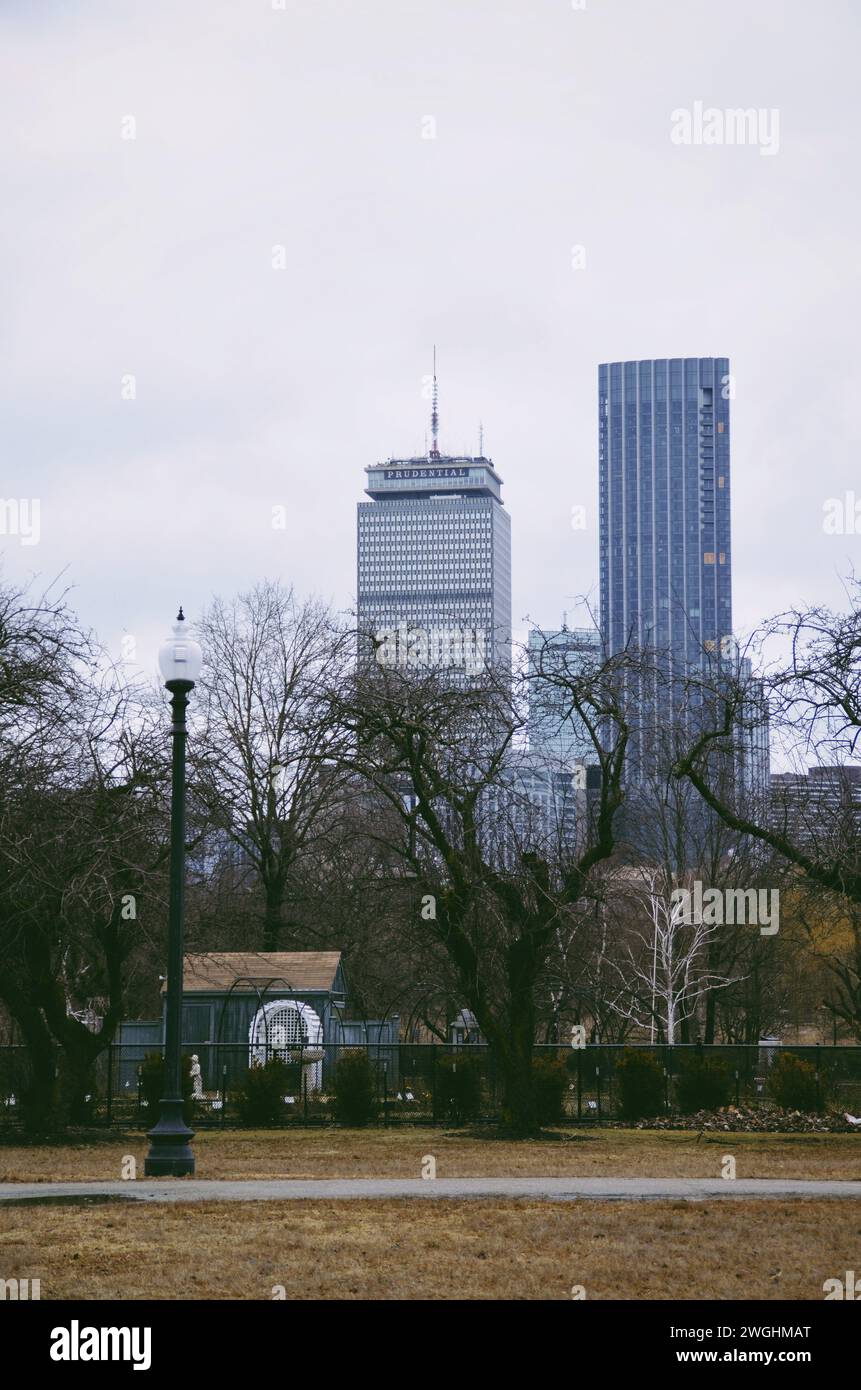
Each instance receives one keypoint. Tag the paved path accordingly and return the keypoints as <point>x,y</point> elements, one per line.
<point>549,1189</point>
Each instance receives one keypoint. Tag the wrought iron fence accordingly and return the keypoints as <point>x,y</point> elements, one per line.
<point>421,1083</point>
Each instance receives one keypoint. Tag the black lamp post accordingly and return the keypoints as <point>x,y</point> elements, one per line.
<point>180,660</point>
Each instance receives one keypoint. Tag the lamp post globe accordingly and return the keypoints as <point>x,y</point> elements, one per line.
<point>180,657</point>
<point>180,660</point>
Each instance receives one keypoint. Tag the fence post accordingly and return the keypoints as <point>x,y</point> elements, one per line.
<point>223,1091</point>
<point>579,1083</point>
<point>385,1100</point>
<point>598,1089</point>
<point>110,1081</point>
<point>433,1083</point>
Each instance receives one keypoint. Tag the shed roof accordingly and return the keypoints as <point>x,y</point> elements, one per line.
<point>294,970</point>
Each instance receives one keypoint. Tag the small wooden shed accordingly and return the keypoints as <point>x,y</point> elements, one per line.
<point>242,1007</point>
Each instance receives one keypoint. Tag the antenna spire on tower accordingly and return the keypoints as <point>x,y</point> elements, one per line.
<point>435,413</point>
<point>480,439</point>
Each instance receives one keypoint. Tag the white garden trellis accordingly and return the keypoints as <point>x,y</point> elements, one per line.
<point>291,1030</point>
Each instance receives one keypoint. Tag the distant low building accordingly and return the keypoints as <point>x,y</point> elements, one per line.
<point>820,808</point>
<point>465,1030</point>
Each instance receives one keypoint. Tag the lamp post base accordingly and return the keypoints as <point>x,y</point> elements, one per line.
<point>170,1154</point>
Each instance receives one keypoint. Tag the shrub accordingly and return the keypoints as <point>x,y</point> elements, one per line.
<point>793,1083</point>
<point>458,1088</point>
<point>549,1084</point>
<point>703,1084</point>
<point>261,1097</point>
<point>84,1103</point>
<point>15,1081</point>
<point>152,1085</point>
<point>640,1080</point>
<point>354,1089</point>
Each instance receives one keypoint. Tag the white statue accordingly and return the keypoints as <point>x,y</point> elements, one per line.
<point>196,1078</point>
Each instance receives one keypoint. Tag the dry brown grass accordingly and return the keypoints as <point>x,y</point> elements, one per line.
<point>377,1153</point>
<point>433,1249</point>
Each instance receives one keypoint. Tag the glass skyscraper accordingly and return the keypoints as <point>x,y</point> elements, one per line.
<point>555,732</point>
<point>434,563</point>
<point>664,460</point>
<point>665,549</point>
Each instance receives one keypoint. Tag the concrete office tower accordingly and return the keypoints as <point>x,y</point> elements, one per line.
<point>665,551</point>
<point>434,563</point>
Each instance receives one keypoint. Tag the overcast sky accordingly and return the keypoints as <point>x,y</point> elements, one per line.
<point>305,124</point>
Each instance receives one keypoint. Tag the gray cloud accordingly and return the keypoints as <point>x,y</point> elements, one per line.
<point>302,128</point>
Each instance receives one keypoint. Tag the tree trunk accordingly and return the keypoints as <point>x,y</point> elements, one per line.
<point>75,1084</point>
<point>39,1096</point>
<point>711,1016</point>
<point>273,920</point>
<point>519,1098</point>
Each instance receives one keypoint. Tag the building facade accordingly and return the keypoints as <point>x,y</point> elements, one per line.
<point>241,1008</point>
<point>664,462</point>
<point>556,734</point>
<point>434,563</point>
<point>665,546</point>
<point>753,743</point>
<point>819,809</point>
<point>534,808</point>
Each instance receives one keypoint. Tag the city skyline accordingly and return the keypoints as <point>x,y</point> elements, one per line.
<point>389,478</point>
<point>270,274</point>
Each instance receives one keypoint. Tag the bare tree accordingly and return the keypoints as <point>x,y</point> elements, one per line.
<point>811,662</point>
<point>268,766</point>
<point>82,844</point>
<point>664,971</point>
<point>444,757</point>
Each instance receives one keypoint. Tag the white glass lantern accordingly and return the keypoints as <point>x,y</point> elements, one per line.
<point>180,657</point>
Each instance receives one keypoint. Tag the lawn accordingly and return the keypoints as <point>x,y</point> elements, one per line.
<point>397,1153</point>
<point>434,1250</point>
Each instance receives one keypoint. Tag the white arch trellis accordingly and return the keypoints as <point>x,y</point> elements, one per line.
<point>290,1029</point>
